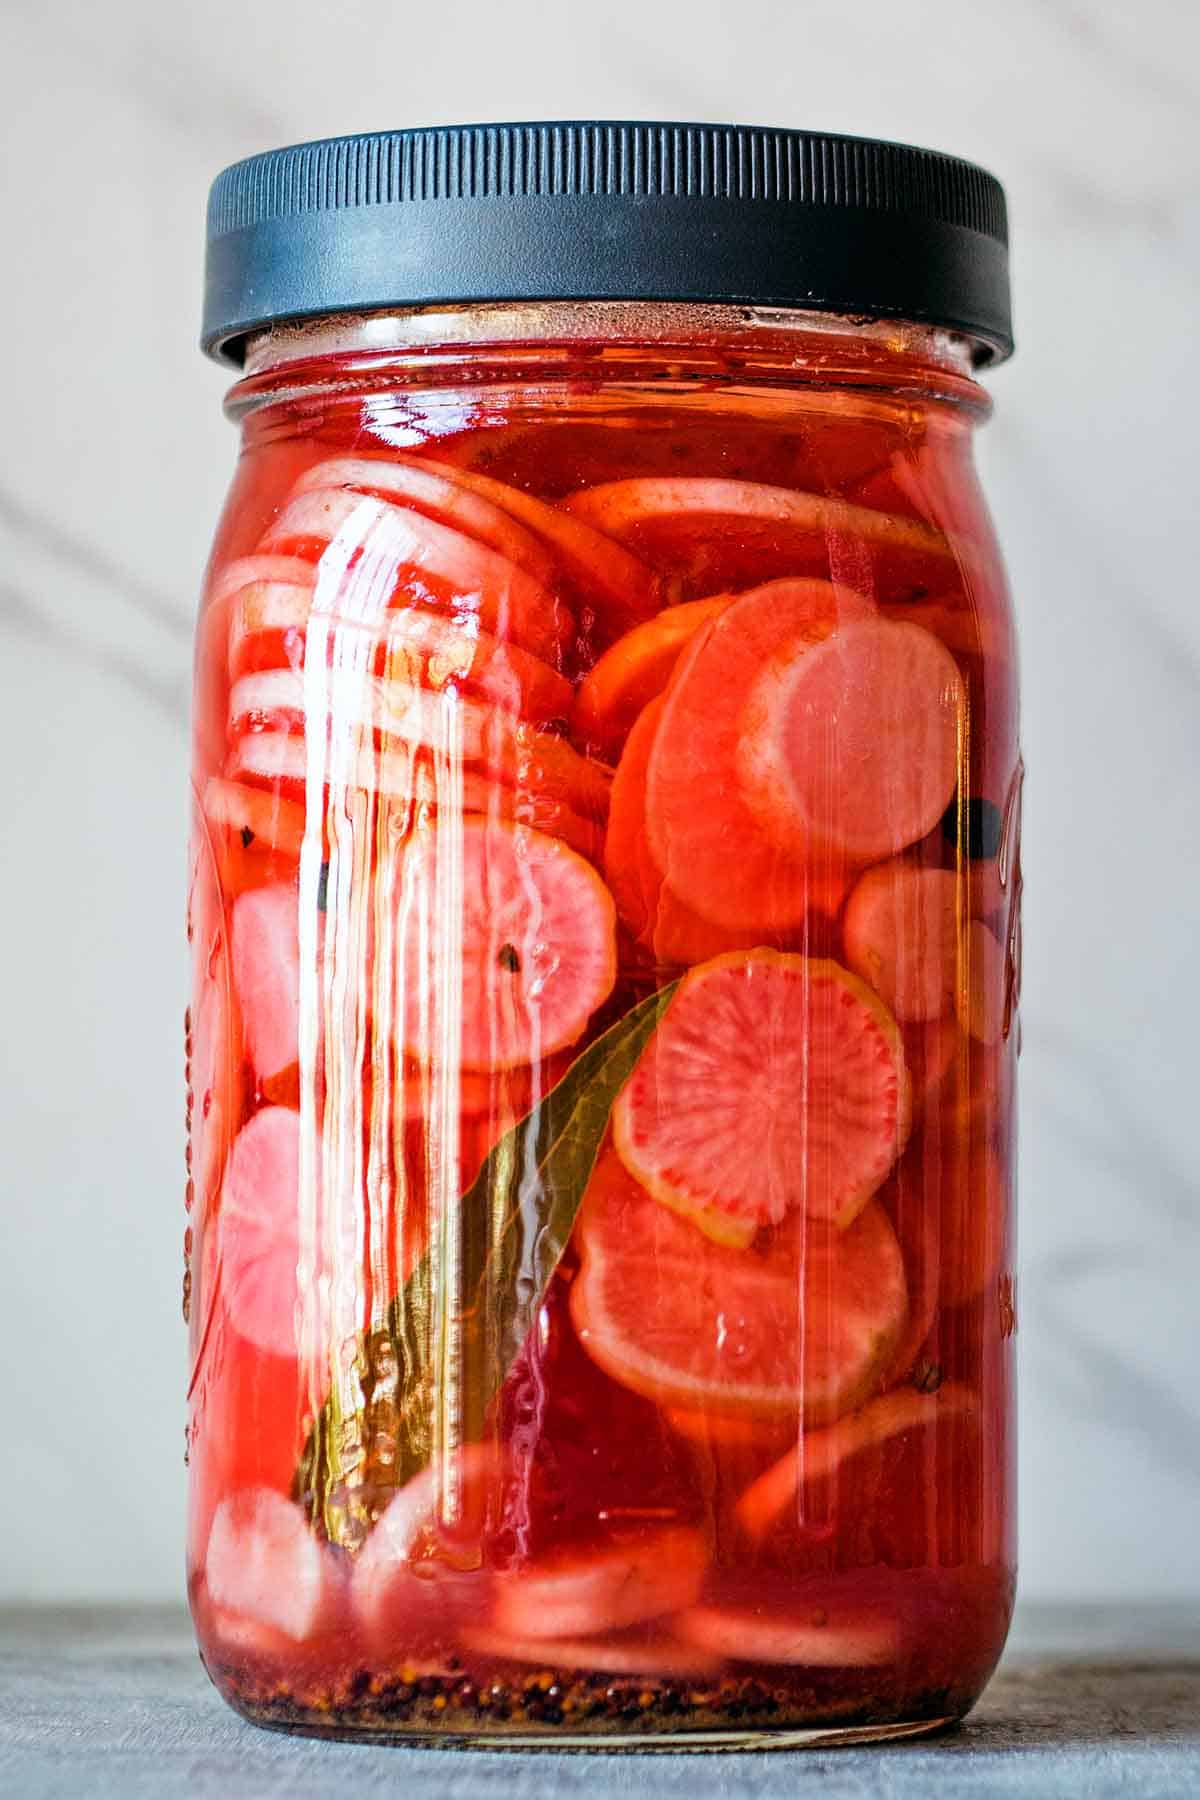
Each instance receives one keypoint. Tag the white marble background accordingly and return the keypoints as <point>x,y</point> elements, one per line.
<point>113,456</point>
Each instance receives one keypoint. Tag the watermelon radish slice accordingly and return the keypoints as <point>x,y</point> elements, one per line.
<point>250,571</point>
<point>265,1569</point>
<point>272,822</point>
<point>450,502</point>
<point>801,1327</point>
<point>929,1052</point>
<point>417,1572</point>
<point>281,757</point>
<point>792,1055</point>
<point>854,743</point>
<point>983,997</point>
<point>653,1655</point>
<point>821,1453</point>
<point>709,536</point>
<point>451,725</point>
<point>508,930</point>
<point>900,932</point>
<point>265,940</point>
<point>705,836</point>
<point>821,1640</point>
<point>620,586</point>
<point>632,672</point>
<point>259,1242</point>
<point>392,552</point>
<point>577,1592</point>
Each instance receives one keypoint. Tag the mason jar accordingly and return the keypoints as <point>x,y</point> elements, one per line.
<point>605,912</point>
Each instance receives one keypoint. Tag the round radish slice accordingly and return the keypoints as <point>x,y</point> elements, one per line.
<point>265,936</point>
<point>457,728</point>
<point>821,1453</point>
<point>982,1000</point>
<point>854,743</point>
<point>623,1653</point>
<point>801,1328</point>
<point>266,1569</point>
<point>707,535</point>
<point>259,1243</point>
<point>249,571</point>
<point>577,1592</point>
<point>823,1640</point>
<point>418,1570</point>
<point>378,552</point>
<point>508,932</point>
<point>271,822</point>
<point>619,585</point>
<point>276,756</point>
<point>792,1055</point>
<point>711,846</point>
<point>900,932</point>
<point>929,1054</point>
<point>633,671</point>
<point>449,501</point>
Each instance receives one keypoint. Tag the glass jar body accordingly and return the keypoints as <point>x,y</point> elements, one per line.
<point>605,919</point>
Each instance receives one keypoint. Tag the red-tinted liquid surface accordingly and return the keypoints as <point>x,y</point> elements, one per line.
<point>630,1553</point>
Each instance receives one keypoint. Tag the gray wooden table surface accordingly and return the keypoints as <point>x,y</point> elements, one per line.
<point>1089,1702</point>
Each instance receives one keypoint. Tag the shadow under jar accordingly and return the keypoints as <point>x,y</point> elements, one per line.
<point>604,906</point>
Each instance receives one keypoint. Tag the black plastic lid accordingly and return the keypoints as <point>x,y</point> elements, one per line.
<point>590,211</point>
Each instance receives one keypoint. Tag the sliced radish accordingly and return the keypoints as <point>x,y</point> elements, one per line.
<point>390,550</point>
<point>248,571</point>
<point>900,931</point>
<point>576,1593</point>
<point>265,936</point>
<point>793,1055</point>
<point>459,729</point>
<point>821,1453</point>
<point>633,672</point>
<point>266,1569</point>
<point>419,1568</point>
<point>823,1640</point>
<point>275,756</point>
<point>508,937</point>
<point>709,535</point>
<point>259,1241</point>
<point>854,743</point>
<point>929,1053</point>
<point>272,822</point>
<point>623,1653</point>
<point>620,585</point>
<point>451,502</point>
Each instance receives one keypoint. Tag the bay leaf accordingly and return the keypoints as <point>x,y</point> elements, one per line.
<point>425,1376</point>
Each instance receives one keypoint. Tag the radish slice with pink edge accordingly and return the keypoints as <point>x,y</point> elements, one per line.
<point>277,756</point>
<point>793,1055</point>
<point>277,824</point>
<point>434,494</point>
<point>622,1653</point>
<point>900,932</point>
<point>854,743</point>
<point>707,535</point>
<point>415,645</point>
<point>528,959</point>
<point>822,1452</point>
<point>706,840</point>
<point>265,938</point>
<point>265,1569</point>
<point>822,1640</point>
<point>625,590</point>
<point>259,1225</point>
<point>577,1592</point>
<point>249,571</point>
<point>420,1565</point>
<point>452,724</point>
<point>390,548</point>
